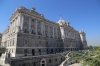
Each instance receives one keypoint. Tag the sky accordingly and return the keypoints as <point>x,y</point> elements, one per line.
<point>82,14</point>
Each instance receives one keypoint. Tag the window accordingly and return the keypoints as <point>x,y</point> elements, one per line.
<point>46,43</point>
<point>51,50</point>
<point>25,41</point>
<point>13,42</point>
<point>34,64</point>
<point>39,42</point>
<point>32,41</point>
<point>25,51</point>
<point>43,63</point>
<point>12,50</point>
<point>10,42</point>
<point>32,20</point>
<point>47,51</point>
<point>49,60</point>
<point>39,50</point>
<point>25,31</point>
<point>61,58</point>
<point>55,59</point>
<point>32,31</point>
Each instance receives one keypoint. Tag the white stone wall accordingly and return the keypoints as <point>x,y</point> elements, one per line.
<point>32,23</point>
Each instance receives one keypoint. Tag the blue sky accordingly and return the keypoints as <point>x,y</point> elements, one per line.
<point>82,14</point>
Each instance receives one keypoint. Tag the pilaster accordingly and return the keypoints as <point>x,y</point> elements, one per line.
<point>53,32</point>
<point>42,28</point>
<point>36,26</point>
<point>56,33</point>
<point>21,18</point>
<point>30,25</point>
<point>49,31</point>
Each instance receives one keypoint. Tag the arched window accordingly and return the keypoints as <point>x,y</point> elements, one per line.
<point>43,62</point>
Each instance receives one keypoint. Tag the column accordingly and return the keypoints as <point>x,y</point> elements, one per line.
<point>62,32</point>
<point>30,25</point>
<point>42,28</point>
<point>36,26</point>
<point>56,33</point>
<point>65,33</point>
<point>11,28</point>
<point>21,18</point>
<point>14,25</point>
<point>48,31</point>
<point>17,25</point>
<point>53,32</point>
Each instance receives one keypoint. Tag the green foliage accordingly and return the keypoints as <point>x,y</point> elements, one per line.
<point>90,58</point>
<point>90,47</point>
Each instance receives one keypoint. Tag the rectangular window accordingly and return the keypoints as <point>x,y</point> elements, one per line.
<point>39,50</point>
<point>32,41</point>
<point>25,41</point>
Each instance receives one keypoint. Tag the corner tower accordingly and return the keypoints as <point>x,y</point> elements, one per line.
<point>62,24</point>
<point>83,39</point>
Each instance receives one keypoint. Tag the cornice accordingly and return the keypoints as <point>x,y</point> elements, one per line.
<point>31,13</point>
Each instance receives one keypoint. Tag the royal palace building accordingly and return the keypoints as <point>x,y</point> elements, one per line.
<point>31,34</point>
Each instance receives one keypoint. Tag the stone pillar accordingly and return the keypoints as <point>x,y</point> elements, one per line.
<point>53,32</point>
<point>42,28</point>
<point>21,19</point>
<point>66,33</point>
<point>30,25</point>
<point>56,33</point>
<point>49,31</point>
<point>11,28</point>
<point>62,32</point>
<point>15,25</point>
<point>36,26</point>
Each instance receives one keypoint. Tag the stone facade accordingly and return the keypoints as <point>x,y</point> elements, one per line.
<point>0,39</point>
<point>41,60</point>
<point>30,33</point>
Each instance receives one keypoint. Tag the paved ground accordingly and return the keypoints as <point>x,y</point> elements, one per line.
<point>76,64</point>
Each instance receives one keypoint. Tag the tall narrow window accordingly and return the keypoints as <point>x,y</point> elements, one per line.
<point>13,42</point>
<point>39,42</point>
<point>32,31</point>
<point>25,30</point>
<point>49,60</point>
<point>32,41</point>
<point>39,50</point>
<point>25,41</point>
